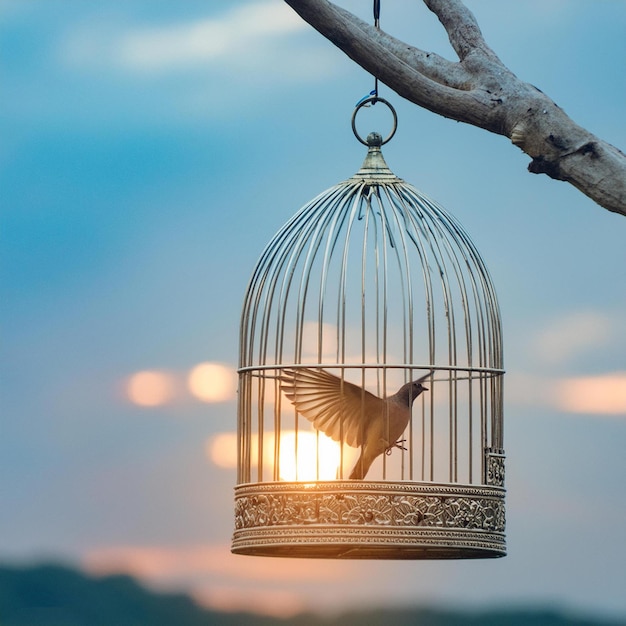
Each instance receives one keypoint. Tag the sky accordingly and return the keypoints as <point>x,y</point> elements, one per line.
<point>149,150</point>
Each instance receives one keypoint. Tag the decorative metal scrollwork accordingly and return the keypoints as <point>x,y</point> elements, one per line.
<point>495,467</point>
<point>451,519</point>
<point>374,509</point>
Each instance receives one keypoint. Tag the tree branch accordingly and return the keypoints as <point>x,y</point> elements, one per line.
<point>479,90</point>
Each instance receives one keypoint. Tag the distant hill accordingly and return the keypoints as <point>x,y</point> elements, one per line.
<point>53,595</point>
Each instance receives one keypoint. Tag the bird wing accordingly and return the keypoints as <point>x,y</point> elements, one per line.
<point>338,408</point>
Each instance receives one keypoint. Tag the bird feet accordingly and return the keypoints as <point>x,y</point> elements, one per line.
<point>398,444</point>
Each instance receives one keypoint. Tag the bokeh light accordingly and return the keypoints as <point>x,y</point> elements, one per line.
<point>221,449</point>
<point>212,382</point>
<point>150,388</point>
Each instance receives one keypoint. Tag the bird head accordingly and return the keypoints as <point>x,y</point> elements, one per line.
<point>418,388</point>
<point>410,391</point>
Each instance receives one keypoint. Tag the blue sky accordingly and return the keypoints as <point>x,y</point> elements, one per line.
<point>149,150</point>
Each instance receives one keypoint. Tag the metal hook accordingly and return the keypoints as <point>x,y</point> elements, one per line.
<point>367,97</point>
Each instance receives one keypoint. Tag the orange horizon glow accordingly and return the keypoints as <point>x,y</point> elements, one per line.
<point>235,599</point>
<point>218,579</point>
<point>596,395</point>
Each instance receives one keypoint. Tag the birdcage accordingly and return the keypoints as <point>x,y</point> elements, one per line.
<point>369,287</point>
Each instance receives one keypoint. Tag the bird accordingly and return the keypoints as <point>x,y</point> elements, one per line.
<point>348,413</point>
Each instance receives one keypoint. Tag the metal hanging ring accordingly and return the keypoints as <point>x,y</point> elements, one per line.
<point>367,102</point>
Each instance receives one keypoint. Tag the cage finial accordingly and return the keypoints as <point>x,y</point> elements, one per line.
<point>374,139</point>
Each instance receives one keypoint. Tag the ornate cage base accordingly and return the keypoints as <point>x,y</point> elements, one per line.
<point>361,520</point>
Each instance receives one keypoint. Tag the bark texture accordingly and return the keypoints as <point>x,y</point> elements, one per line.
<point>479,90</point>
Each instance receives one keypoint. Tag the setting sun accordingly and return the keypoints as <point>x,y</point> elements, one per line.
<point>309,456</point>
<point>221,449</point>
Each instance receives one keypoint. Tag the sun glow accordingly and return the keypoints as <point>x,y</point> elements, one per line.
<point>308,456</point>
<point>305,456</point>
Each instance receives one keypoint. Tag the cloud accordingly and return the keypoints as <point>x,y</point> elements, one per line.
<point>599,395</point>
<point>248,38</point>
<point>218,65</point>
<point>596,395</point>
<point>577,362</point>
<point>240,31</point>
<point>572,335</point>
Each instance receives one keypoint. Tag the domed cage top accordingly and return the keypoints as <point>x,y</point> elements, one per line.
<point>370,286</point>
